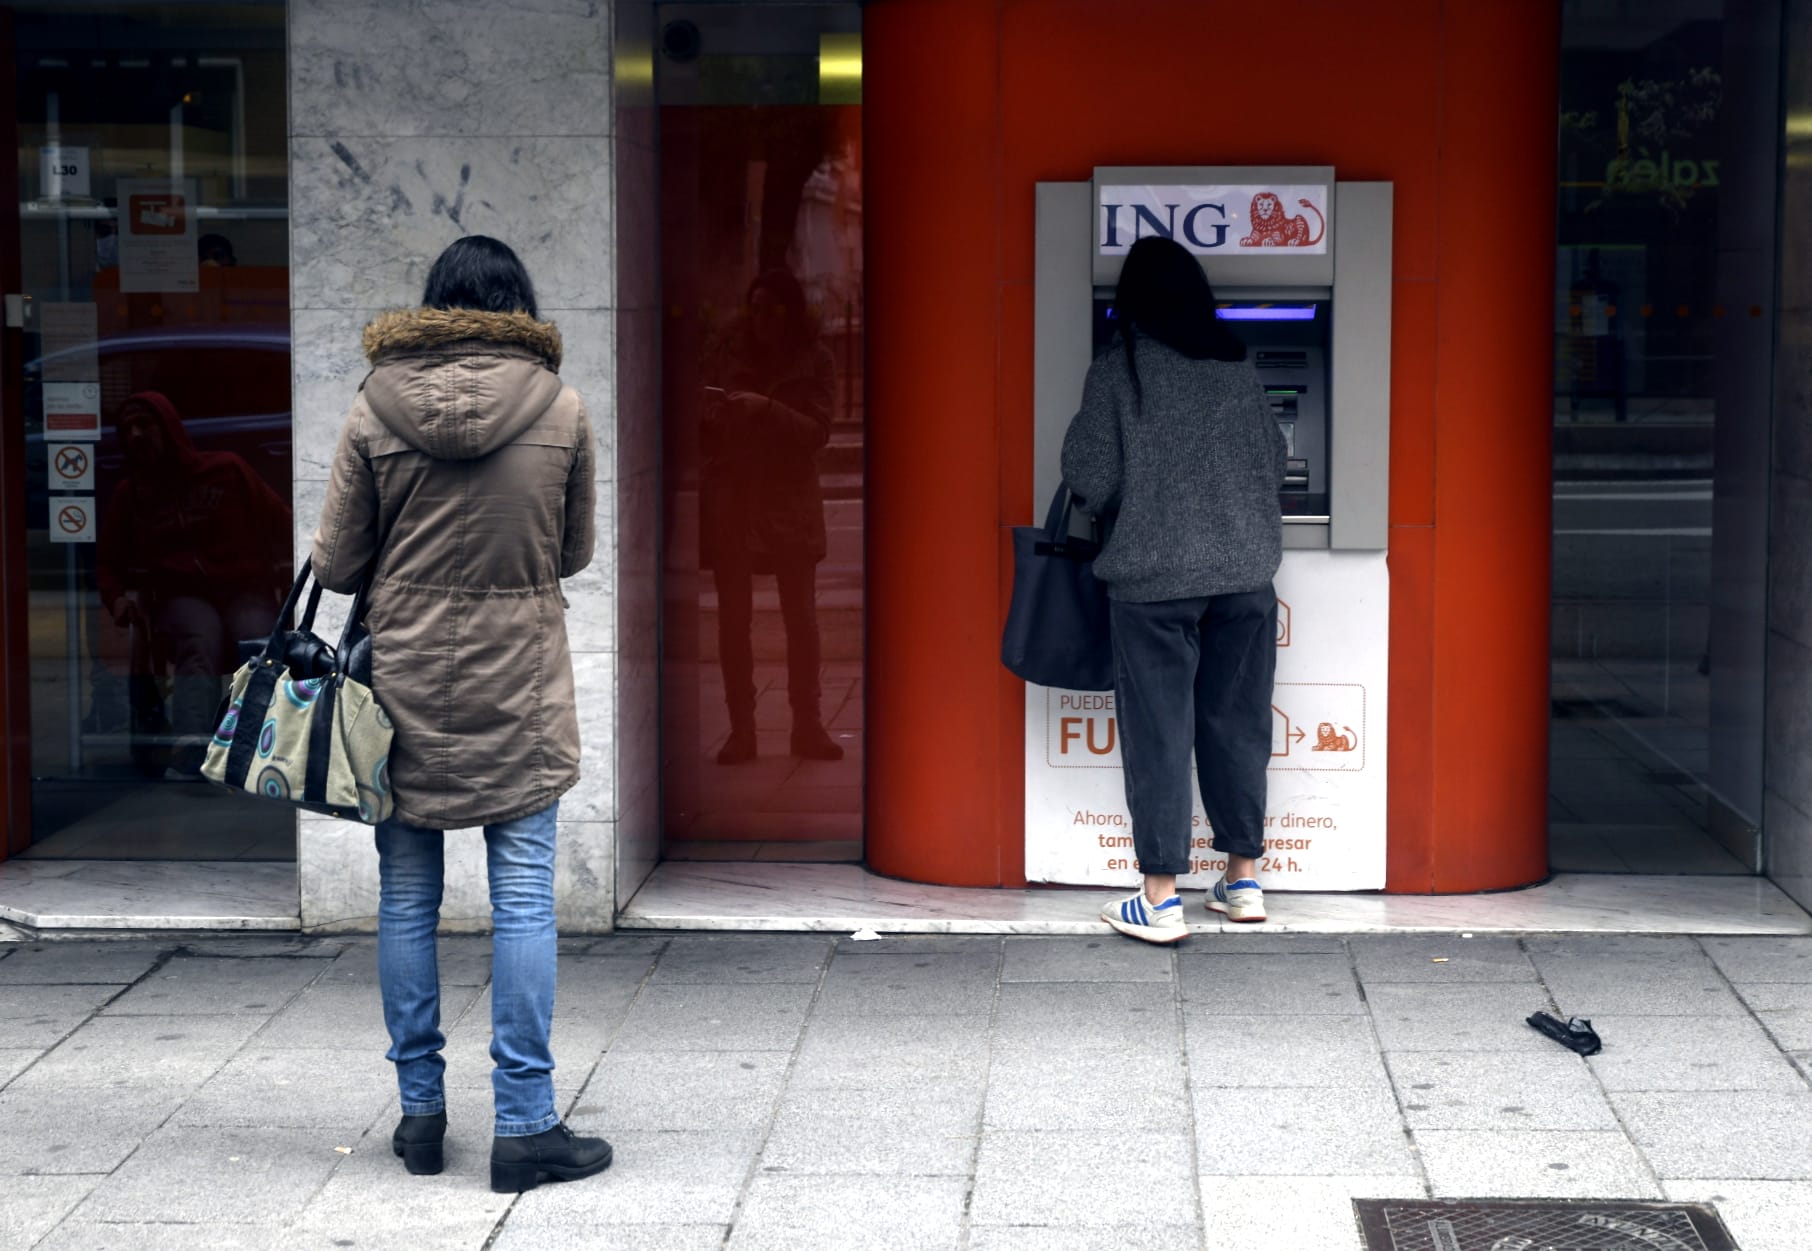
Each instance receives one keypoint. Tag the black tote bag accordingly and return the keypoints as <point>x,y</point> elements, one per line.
<point>1057,628</point>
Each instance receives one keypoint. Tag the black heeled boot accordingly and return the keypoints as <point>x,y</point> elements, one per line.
<point>519,1164</point>
<point>418,1141</point>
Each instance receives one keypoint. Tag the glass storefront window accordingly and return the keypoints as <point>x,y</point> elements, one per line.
<point>1663,324</point>
<point>151,408</point>
<point>761,257</point>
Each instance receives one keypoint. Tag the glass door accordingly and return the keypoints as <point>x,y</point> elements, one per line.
<point>1664,317</point>
<point>149,403</point>
<point>761,255</point>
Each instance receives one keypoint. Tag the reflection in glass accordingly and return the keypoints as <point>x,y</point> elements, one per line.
<point>155,424</point>
<point>761,276</point>
<point>1661,340</point>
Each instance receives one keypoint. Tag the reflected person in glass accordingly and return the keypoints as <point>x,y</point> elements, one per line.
<point>193,552</point>
<point>767,416</point>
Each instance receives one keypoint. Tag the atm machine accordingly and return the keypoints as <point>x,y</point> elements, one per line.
<point>1301,268</point>
<point>1301,265</point>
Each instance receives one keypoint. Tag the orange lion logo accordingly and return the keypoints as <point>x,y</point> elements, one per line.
<point>1328,739</point>
<point>1272,227</point>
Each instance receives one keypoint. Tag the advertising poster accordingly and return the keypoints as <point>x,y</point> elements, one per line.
<point>1326,815</point>
<point>157,236</point>
<point>72,410</point>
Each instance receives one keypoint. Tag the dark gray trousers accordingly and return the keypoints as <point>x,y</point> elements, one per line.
<point>1195,675</point>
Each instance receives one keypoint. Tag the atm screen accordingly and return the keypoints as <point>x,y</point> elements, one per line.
<point>1288,341</point>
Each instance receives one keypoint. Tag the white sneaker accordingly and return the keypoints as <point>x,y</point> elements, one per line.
<point>1237,901</point>
<point>1137,917</point>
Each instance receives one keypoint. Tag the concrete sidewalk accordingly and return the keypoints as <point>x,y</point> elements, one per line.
<point>797,1092</point>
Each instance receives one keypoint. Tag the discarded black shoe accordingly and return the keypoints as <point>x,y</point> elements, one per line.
<point>1575,1033</point>
<point>418,1141</point>
<point>519,1164</point>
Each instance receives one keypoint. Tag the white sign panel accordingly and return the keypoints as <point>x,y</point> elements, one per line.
<point>70,350</point>
<point>71,467</point>
<point>64,172</point>
<point>157,236</point>
<point>1210,221</point>
<point>72,519</point>
<point>72,410</point>
<point>1325,818</point>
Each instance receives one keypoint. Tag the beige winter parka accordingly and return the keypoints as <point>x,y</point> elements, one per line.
<point>465,470</point>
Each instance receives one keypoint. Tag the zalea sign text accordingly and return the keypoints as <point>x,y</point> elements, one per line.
<point>1208,220</point>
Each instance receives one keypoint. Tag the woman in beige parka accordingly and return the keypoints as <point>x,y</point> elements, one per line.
<point>463,492</point>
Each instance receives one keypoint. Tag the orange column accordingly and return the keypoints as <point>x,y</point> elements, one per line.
<point>932,204</point>
<point>1493,448</point>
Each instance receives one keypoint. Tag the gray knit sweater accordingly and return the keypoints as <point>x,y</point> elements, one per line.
<point>1189,474</point>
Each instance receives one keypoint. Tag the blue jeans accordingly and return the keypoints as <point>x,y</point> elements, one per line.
<point>520,860</point>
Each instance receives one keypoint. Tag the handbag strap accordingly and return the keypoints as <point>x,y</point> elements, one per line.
<point>274,647</point>
<point>1057,520</point>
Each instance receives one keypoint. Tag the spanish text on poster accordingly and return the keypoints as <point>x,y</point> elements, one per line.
<point>72,410</point>
<point>158,236</point>
<point>1325,818</point>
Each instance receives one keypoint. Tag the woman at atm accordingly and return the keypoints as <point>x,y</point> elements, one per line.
<point>1175,445</point>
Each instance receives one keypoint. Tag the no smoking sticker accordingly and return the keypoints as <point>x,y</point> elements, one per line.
<point>71,467</point>
<point>72,519</point>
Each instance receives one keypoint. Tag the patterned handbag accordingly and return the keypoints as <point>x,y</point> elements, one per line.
<point>301,724</point>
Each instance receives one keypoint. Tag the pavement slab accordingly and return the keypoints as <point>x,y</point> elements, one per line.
<point>856,1213</point>
<point>1762,959</point>
<point>1280,1051</point>
<point>1760,1215</point>
<point>1294,1213</point>
<point>1085,960</point>
<point>1576,1164</point>
<point>917,1131</point>
<point>654,1179</point>
<point>41,1016</point>
<point>1110,1180</point>
<point>75,963</point>
<point>36,1205</point>
<point>1259,985</point>
<point>1297,1132</point>
<point>1499,1090</point>
<point>1439,958</point>
<point>1758,1135</point>
<point>1784,1010</point>
<point>219,1176</point>
<point>655,1090</point>
<point>1458,1018</point>
<point>1690,1053</point>
<point>212,985</point>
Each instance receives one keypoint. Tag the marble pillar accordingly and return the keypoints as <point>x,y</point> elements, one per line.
<point>411,125</point>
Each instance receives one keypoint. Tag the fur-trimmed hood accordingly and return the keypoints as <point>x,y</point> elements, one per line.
<point>458,384</point>
<point>420,329</point>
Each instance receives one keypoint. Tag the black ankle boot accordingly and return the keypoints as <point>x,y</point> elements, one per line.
<point>418,1140</point>
<point>739,748</point>
<point>519,1164</point>
<point>811,742</point>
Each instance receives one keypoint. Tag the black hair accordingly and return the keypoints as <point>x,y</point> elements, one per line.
<point>480,273</point>
<point>1164,293</point>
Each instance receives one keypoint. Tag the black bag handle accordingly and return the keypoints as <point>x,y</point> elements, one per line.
<point>274,647</point>
<point>349,633</point>
<point>1057,539</point>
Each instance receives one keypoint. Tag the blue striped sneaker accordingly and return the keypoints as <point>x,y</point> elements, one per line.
<point>1135,917</point>
<point>1239,901</point>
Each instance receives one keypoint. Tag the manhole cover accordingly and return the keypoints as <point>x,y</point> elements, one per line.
<point>1539,1225</point>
